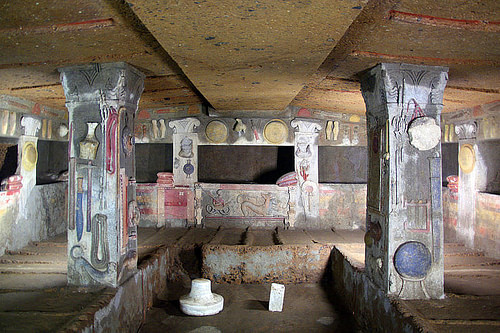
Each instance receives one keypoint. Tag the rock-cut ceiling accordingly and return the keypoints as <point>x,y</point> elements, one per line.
<point>251,55</point>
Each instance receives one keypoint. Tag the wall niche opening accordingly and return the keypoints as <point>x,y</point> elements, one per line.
<point>244,164</point>
<point>8,160</point>
<point>52,164</point>
<point>343,165</point>
<point>151,158</point>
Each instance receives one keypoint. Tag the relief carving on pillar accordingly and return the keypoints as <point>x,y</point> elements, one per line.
<point>424,85</point>
<point>116,81</point>
<point>399,83</point>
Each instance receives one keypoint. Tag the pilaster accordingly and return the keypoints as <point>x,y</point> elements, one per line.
<point>27,157</point>
<point>404,239</point>
<point>468,178</point>
<point>306,167</point>
<point>185,145</point>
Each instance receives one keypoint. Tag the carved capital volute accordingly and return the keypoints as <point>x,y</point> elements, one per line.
<point>466,131</point>
<point>31,125</point>
<point>305,125</point>
<point>185,125</point>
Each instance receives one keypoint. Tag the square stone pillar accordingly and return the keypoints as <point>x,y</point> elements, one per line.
<point>102,215</point>
<point>404,238</point>
<point>185,154</point>
<point>306,167</point>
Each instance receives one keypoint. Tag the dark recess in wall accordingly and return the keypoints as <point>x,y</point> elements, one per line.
<point>244,164</point>
<point>151,158</point>
<point>345,165</point>
<point>52,161</point>
<point>449,161</point>
<point>8,160</point>
<point>490,153</point>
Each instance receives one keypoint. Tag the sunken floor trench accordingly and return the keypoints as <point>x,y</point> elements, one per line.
<point>242,264</point>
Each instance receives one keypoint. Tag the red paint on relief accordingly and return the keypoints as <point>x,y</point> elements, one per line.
<point>175,199</point>
<point>143,114</point>
<point>146,211</point>
<point>175,204</point>
<point>304,113</point>
<point>111,129</point>
<point>477,111</point>
<point>36,109</point>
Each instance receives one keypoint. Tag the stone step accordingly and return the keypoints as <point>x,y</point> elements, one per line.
<point>44,258</point>
<point>59,268</point>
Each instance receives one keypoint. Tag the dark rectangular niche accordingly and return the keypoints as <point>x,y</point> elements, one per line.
<point>244,164</point>
<point>449,160</point>
<point>343,165</point>
<point>52,161</point>
<point>8,159</point>
<point>151,158</point>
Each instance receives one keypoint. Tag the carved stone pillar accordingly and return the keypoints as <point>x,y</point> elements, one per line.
<point>185,145</point>
<point>468,178</point>
<point>102,229</point>
<point>306,166</point>
<point>404,239</point>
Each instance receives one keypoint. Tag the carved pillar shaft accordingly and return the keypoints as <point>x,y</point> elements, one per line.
<point>185,145</point>
<point>28,157</point>
<point>404,239</point>
<point>102,229</point>
<point>306,167</point>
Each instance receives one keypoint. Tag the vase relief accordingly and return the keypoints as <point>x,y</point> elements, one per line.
<point>89,145</point>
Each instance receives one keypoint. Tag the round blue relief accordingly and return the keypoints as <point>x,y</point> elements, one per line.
<point>413,260</point>
<point>188,169</point>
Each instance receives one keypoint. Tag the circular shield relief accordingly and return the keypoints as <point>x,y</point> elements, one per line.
<point>466,158</point>
<point>424,133</point>
<point>275,131</point>
<point>216,131</point>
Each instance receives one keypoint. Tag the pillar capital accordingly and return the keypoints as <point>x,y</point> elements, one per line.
<point>466,130</point>
<point>114,82</point>
<point>185,125</point>
<point>31,125</point>
<point>402,84</point>
<point>310,126</point>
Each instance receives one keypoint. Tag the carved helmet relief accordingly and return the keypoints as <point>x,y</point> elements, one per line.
<point>186,148</point>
